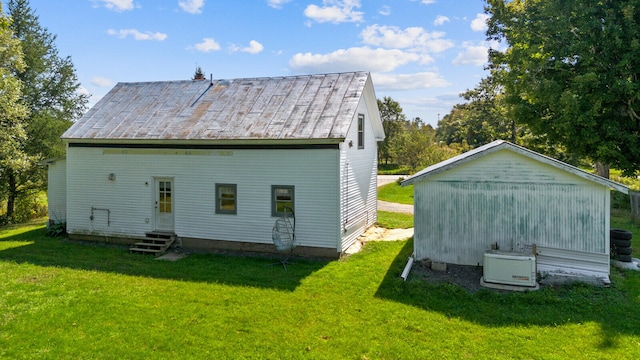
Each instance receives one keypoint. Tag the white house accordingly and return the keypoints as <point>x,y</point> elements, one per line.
<point>216,162</point>
<point>505,196</point>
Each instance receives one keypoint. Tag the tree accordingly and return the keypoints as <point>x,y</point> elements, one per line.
<point>13,159</point>
<point>392,122</point>
<point>482,119</point>
<point>199,74</point>
<point>50,91</point>
<point>416,146</point>
<point>571,73</point>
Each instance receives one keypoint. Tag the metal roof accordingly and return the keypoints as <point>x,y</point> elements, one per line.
<point>309,107</point>
<point>499,145</point>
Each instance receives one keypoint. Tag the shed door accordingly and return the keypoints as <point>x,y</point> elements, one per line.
<point>164,204</point>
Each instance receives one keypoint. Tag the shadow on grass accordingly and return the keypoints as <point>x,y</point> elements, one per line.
<point>35,248</point>
<point>616,309</point>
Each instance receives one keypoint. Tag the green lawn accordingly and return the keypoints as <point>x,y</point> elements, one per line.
<point>392,220</point>
<point>67,300</point>
<point>393,192</point>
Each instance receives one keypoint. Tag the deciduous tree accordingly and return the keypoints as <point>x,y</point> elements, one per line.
<point>571,72</point>
<point>392,121</point>
<point>50,90</point>
<point>13,158</point>
<point>480,120</point>
<point>416,146</point>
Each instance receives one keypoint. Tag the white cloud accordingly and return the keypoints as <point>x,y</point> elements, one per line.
<point>253,48</point>
<point>117,5</point>
<point>191,6</point>
<point>148,35</point>
<point>101,81</point>
<point>335,11</point>
<point>385,10</point>
<point>480,22</point>
<point>422,80</point>
<point>472,55</point>
<point>358,58</point>
<point>207,45</point>
<point>277,4</point>
<point>83,91</point>
<point>409,38</point>
<point>440,20</point>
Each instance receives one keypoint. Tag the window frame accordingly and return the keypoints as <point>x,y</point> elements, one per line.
<point>219,209</point>
<point>361,125</point>
<point>274,200</point>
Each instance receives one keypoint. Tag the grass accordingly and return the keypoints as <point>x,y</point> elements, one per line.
<point>393,192</point>
<point>391,220</point>
<point>67,300</point>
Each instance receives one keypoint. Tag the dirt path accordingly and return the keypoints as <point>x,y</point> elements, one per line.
<point>386,179</point>
<point>395,207</point>
<point>389,206</point>
<point>375,233</point>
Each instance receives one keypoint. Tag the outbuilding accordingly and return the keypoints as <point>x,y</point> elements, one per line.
<point>504,196</point>
<point>216,163</point>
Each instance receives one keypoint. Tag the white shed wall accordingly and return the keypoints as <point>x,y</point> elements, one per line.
<point>358,179</point>
<point>130,197</point>
<point>511,200</point>
<point>57,190</point>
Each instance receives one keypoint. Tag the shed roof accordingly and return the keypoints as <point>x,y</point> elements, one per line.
<point>296,108</point>
<point>500,145</point>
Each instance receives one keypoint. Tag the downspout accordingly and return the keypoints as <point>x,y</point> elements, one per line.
<point>407,268</point>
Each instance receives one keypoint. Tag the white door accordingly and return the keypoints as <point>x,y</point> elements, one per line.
<point>164,208</point>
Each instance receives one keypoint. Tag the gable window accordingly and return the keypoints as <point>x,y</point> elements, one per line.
<point>360,131</point>
<point>226,199</point>
<point>282,200</point>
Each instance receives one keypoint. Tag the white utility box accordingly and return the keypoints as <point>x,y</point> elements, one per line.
<point>509,268</point>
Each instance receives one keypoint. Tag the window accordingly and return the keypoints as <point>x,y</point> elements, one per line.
<point>164,196</point>
<point>226,199</point>
<point>360,131</point>
<point>282,199</point>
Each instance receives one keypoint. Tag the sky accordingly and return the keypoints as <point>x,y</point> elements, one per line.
<point>421,53</point>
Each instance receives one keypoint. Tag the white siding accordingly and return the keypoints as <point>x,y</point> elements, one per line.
<point>511,200</point>
<point>358,174</point>
<point>130,197</point>
<point>57,190</point>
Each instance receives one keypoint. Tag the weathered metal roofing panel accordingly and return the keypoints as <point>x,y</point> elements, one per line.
<point>556,261</point>
<point>286,108</point>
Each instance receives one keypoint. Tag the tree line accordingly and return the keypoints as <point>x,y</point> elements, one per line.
<point>39,99</point>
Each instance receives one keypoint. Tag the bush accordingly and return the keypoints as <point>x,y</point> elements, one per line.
<point>57,229</point>
<point>392,169</point>
<point>27,207</point>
